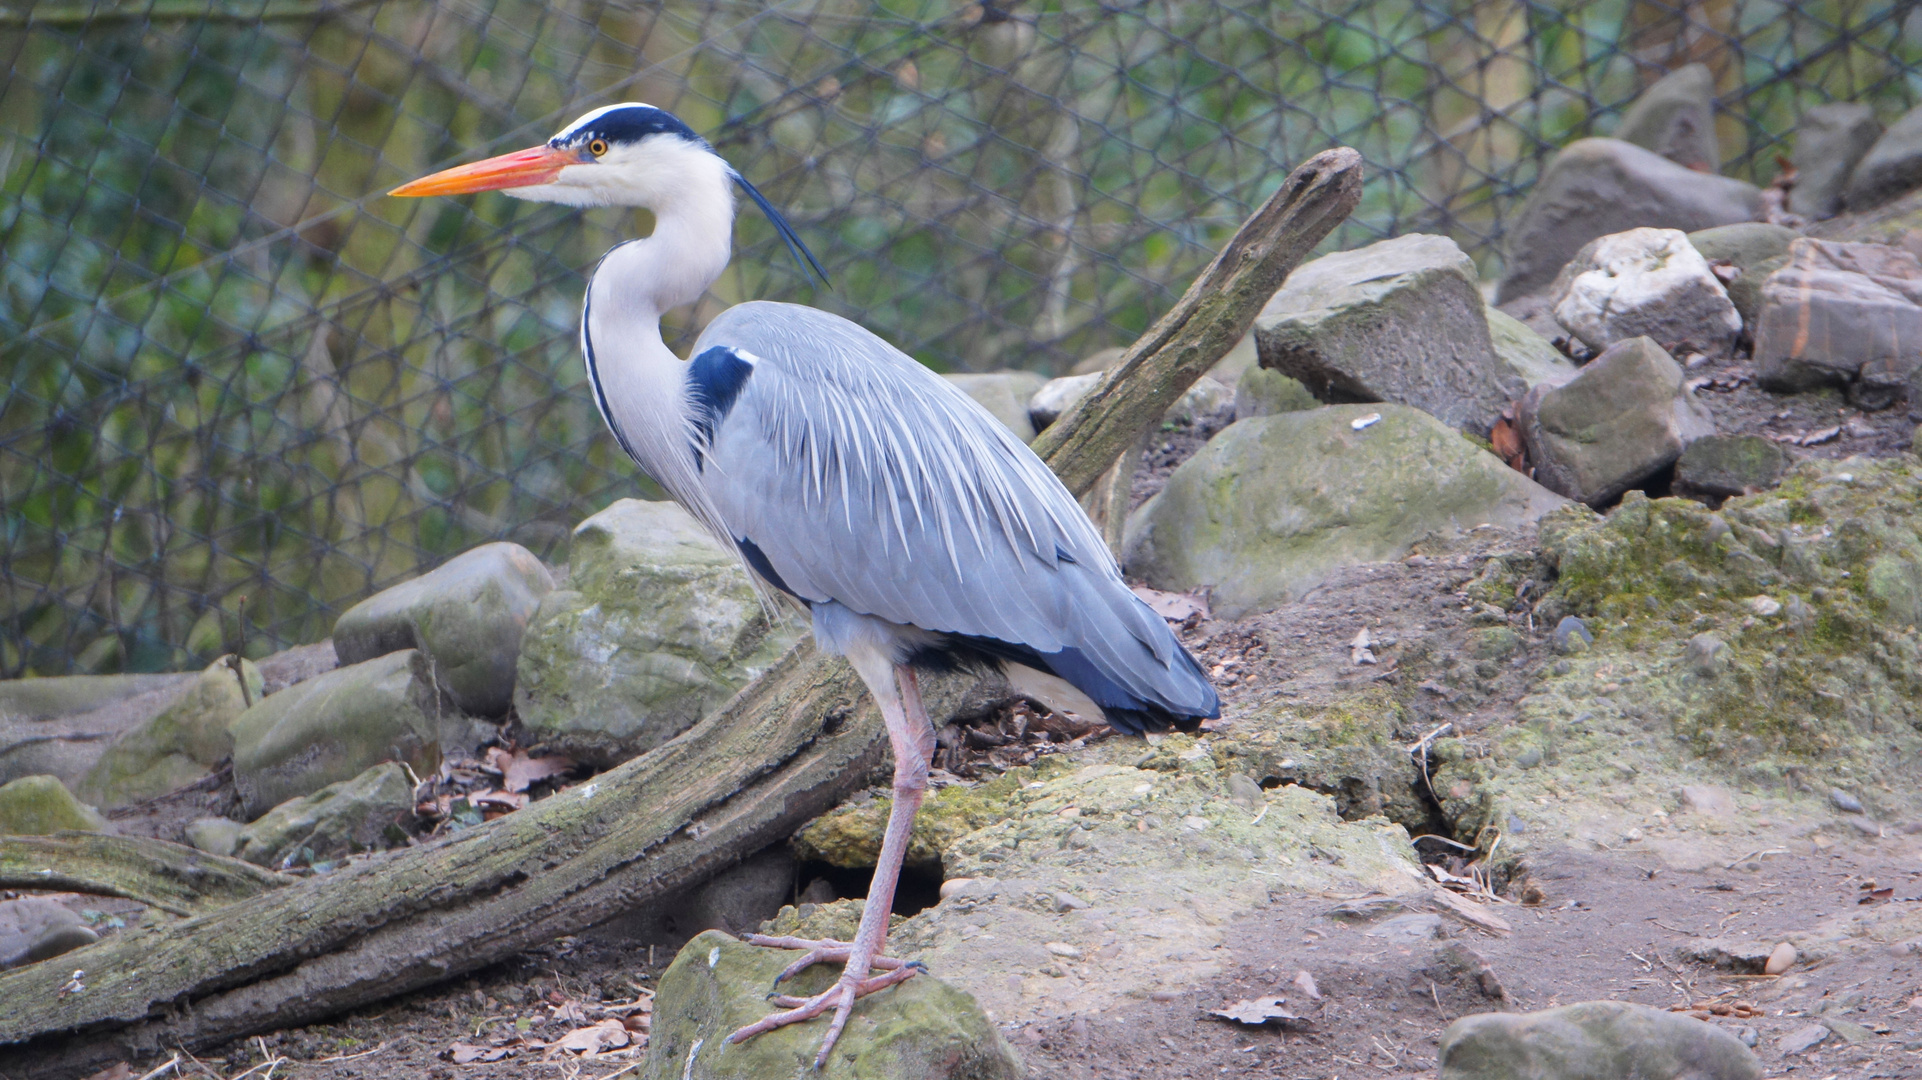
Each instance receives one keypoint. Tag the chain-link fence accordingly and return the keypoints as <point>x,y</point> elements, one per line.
<point>243,389</point>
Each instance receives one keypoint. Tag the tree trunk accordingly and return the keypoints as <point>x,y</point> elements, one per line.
<point>788,747</point>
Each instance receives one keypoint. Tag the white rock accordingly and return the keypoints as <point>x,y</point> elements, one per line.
<point>1057,396</point>
<point>1764,605</point>
<point>1645,282</point>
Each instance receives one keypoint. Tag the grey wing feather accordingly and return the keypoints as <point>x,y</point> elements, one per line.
<point>867,479</point>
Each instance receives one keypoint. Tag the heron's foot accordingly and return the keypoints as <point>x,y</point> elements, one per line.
<point>840,998</point>
<point>819,951</point>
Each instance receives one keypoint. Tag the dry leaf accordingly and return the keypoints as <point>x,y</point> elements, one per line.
<point>522,771</point>
<point>1255,1011</point>
<point>609,1034</point>
<point>117,1071</point>
<point>1877,894</point>
<point>467,1054</point>
<point>1508,444</point>
<point>499,800</point>
<point>1359,651</point>
<point>1305,983</point>
<point>1175,607</point>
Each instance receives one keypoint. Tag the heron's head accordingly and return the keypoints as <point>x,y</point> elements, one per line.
<point>619,155</point>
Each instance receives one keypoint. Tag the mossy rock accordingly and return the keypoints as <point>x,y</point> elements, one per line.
<point>41,805</point>
<point>922,1029</point>
<point>350,816</point>
<point>178,746</point>
<point>1813,589</point>
<point>850,834</point>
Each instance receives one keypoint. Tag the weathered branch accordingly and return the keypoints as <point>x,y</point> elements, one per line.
<point>1213,314</point>
<point>788,747</point>
<point>175,878</point>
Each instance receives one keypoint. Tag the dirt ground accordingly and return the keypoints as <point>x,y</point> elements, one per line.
<point>1607,924</point>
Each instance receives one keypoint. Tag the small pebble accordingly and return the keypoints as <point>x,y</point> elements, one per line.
<point>1065,902</point>
<point>1866,827</point>
<point>1780,960</point>
<point>1064,950</point>
<point>1764,606</point>
<point>1748,1035</point>
<point>1632,835</point>
<point>1165,996</point>
<point>1845,802</point>
<point>1195,823</point>
<point>954,885</point>
<point>1802,1039</point>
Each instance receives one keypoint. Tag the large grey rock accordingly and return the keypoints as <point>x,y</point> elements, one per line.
<point>1755,248</point>
<point>1830,140</point>
<point>1261,392</point>
<point>1892,167</point>
<point>922,1029</point>
<point>658,625</point>
<point>1272,505</point>
<point>1527,355</point>
<point>1645,283</point>
<point>334,727</point>
<point>467,616</point>
<point>39,805</point>
<point>1005,394</point>
<point>341,818</point>
<point>1624,418</point>
<point>1723,466</point>
<point>1399,321</point>
<point>35,928</point>
<point>1593,1040</point>
<point>1841,314</point>
<point>60,726</point>
<point>178,746</point>
<point>1595,187</point>
<point>1675,117</point>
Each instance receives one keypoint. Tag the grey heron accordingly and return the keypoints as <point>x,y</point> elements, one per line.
<point>853,482</point>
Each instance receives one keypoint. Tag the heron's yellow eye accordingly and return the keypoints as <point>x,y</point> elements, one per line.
<point>598,147</point>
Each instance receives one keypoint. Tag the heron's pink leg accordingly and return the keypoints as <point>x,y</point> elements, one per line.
<point>899,695</point>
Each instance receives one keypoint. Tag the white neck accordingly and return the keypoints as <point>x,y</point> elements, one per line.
<point>644,383</point>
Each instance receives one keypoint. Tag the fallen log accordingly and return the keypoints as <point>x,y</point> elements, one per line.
<point>175,878</point>
<point>788,747</point>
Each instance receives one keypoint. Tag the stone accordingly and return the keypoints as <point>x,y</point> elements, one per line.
<point>737,900</point>
<point>1707,655</point>
<point>60,725</point>
<point>1057,396</point>
<point>1830,140</point>
<point>1707,800</point>
<point>1271,506</point>
<point>467,616</point>
<point>1593,1040</point>
<point>36,928</point>
<point>1205,398</point>
<point>1595,187</point>
<point>334,727</point>
<point>1802,1039</point>
<point>214,835</point>
<point>1892,166</point>
<point>922,1028</point>
<point>1262,392</point>
<point>1527,355</point>
<point>1716,467</point>
<point>1414,928</point>
<point>39,805</point>
<point>1645,283</point>
<point>1675,117</point>
<point>1398,321</point>
<point>178,746</point>
<point>1841,314</point>
<point>1755,249</point>
<point>340,819</point>
<point>1627,416</point>
<point>1005,394</point>
<point>1571,636</point>
<point>1764,606</point>
<point>1457,962</point>
<point>657,626</point>
<point>1844,801</point>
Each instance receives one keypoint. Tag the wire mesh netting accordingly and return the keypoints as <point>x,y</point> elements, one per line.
<point>244,389</point>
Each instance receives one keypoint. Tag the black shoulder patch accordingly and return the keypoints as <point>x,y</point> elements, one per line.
<point>757,559</point>
<point>626,124</point>
<point>714,380</point>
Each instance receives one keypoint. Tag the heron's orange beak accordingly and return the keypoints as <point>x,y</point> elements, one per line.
<point>522,168</point>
